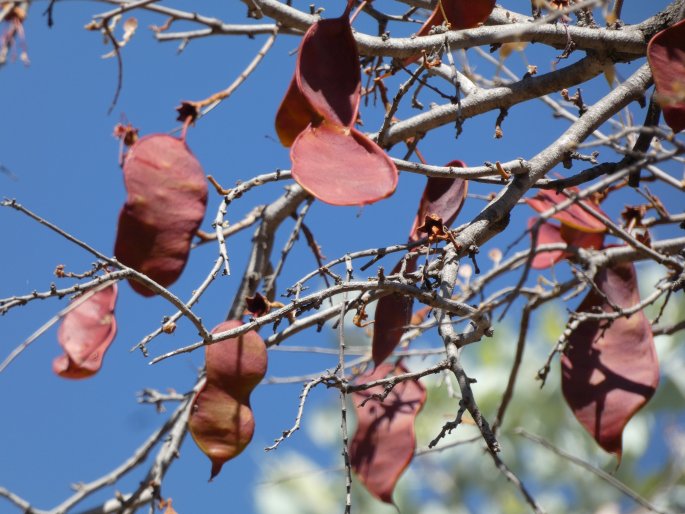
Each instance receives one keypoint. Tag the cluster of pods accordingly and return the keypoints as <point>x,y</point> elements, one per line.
<point>608,372</point>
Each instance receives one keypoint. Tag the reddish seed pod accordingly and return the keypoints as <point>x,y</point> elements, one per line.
<point>167,198</point>
<point>443,197</point>
<point>384,443</point>
<point>549,233</point>
<point>573,216</point>
<point>609,369</point>
<point>342,166</point>
<point>461,14</point>
<point>331,159</point>
<point>392,317</point>
<point>85,334</point>
<point>327,71</point>
<point>221,421</point>
<point>326,84</point>
<point>666,55</point>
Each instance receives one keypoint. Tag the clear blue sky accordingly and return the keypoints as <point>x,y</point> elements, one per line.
<point>56,139</point>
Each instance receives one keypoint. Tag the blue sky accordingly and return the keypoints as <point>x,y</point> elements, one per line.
<point>56,139</point>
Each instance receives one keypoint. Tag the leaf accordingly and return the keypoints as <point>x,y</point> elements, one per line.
<point>507,48</point>
<point>342,166</point>
<point>166,202</point>
<point>666,56</point>
<point>443,197</point>
<point>221,421</point>
<point>85,334</point>
<point>610,74</point>
<point>610,369</point>
<point>574,216</point>
<point>384,443</point>
<point>327,70</point>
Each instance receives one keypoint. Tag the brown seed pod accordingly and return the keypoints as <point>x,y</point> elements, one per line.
<point>221,421</point>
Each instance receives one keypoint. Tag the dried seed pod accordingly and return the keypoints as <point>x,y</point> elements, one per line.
<point>167,198</point>
<point>573,216</point>
<point>384,443</point>
<point>85,334</point>
<point>610,368</point>
<point>443,197</point>
<point>331,159</point>
<point>326,84</point>
<point>460,14</point>
<point>328,70</point>
<point>666,55</point>
<point>342,166</point>
<point>221,421</point>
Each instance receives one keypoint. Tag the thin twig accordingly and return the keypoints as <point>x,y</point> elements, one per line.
<point>611,480</point>
<point>300,410</point>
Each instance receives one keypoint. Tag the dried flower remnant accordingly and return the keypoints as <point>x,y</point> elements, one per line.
<point>12,31</point>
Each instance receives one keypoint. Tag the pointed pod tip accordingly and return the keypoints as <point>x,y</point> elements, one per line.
<point>216,469</point>
<point>619,456</point>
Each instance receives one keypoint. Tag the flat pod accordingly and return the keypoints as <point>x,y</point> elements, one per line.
<point>666,55</point>
<point>581,238</point>
<point>574,216</point>
<point>85,335</point>
<point>327,71</point>
<point>384,442</point>
<point>548,233</point>
<point>461,14</point>
<point>294,115</point>
<point>610,369</point>
<point>342,166</point>
<point>166,202</point>
<point>221,421</point>
<point>442,196</point>
<point>445,198</point>
<point>393,315</point>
